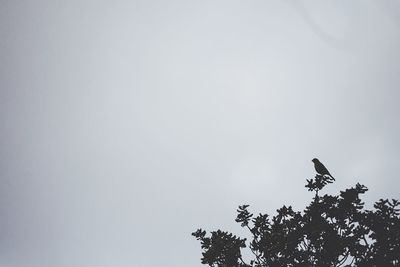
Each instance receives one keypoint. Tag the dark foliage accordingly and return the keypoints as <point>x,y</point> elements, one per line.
<point>331,231</point>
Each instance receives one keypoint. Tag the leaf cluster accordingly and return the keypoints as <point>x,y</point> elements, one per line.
<point>331,231</point>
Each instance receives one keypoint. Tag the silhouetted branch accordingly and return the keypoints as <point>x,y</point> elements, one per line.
<point>331,231</point>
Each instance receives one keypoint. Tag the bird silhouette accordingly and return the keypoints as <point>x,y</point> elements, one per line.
<point>321,169</point>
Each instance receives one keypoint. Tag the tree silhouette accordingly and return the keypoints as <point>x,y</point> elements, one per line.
<point>331,231</point>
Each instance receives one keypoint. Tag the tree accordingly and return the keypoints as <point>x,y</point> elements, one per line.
<point>331,231</point>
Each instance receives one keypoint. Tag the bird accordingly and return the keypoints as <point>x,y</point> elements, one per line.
<point>321,169</point>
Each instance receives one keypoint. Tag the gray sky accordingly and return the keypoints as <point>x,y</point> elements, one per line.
<point>126,125</point>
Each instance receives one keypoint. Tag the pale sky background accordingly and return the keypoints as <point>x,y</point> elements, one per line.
<point>127,125</point>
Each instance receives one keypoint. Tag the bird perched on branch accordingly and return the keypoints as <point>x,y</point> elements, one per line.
<point>321,169</point>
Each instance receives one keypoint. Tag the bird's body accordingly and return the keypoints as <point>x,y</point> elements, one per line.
<point>320,168</point>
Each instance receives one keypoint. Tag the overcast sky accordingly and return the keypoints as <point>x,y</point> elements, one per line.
<point>127,125</point>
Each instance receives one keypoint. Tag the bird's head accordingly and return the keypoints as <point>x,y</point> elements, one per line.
<point>315,160</point>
